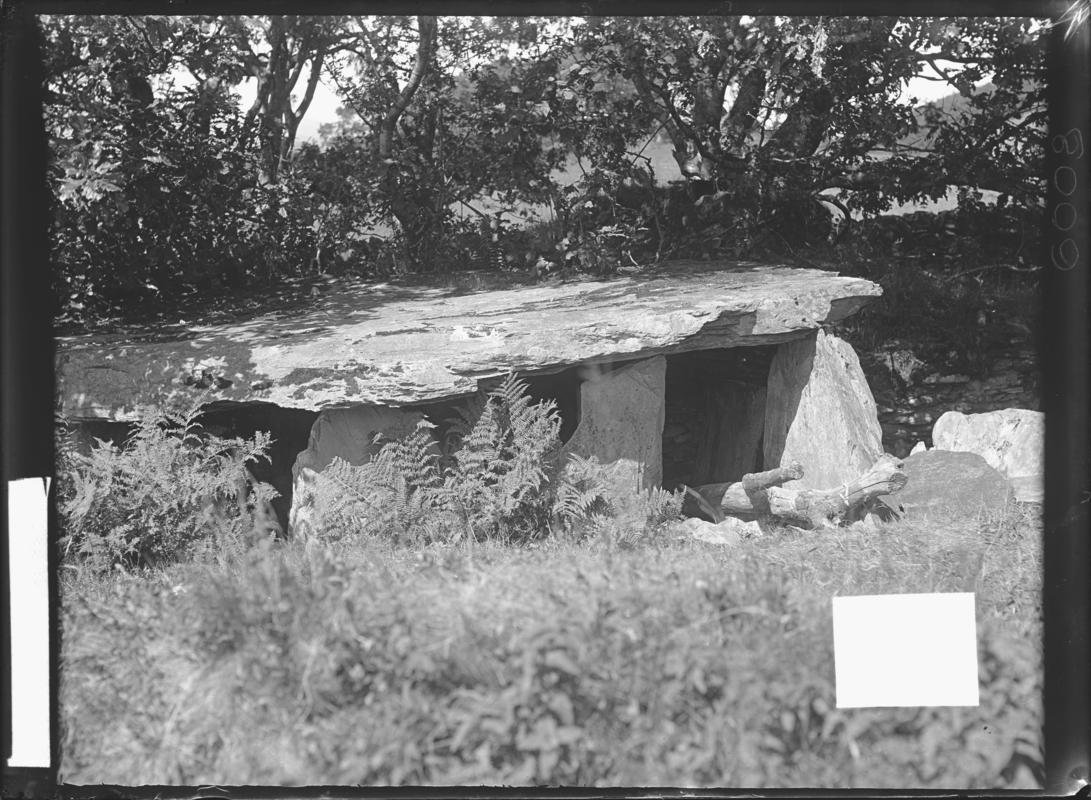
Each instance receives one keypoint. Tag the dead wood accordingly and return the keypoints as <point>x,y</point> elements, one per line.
<point>760,495</point>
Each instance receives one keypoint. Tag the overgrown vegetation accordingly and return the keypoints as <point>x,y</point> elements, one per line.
<point>957,286</point>
<point>480,650</point>
<point>169,493</point>
<point>505,479</point>
<point>173,489</point>
<point>670,662</point>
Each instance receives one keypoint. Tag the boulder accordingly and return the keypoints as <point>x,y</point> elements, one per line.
<point>948,484</point>
<point>395,345</point>
<point>621,424</point>
<point>1012,441</point>
<point>728,532</point>
<point>820,413</point>
<point>347,433</point>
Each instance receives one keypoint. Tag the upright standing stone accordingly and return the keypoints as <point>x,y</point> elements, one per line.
<point>820,412</point>
<point>347,433</point>
<point>1012,441</point>
<point>621,423</point>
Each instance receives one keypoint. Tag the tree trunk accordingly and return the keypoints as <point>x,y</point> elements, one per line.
<point>415,214</point>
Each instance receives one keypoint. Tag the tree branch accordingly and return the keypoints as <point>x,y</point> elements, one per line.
<point>312,82</point>
<point>742,117</point>
<point>301,59</point>
<point>1008,129</point>
<point>681,132</point>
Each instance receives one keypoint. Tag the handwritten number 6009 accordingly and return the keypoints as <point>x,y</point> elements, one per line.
<point>1066,254</point>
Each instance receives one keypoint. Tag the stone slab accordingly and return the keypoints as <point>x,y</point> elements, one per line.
<point>820,412</point>
<point>1012,441</point>
<point>621,423</point>
<point>381,344</point>
<point>730,532</point>
<point>347,433</point>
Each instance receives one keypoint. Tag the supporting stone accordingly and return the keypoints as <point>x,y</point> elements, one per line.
<point>621,423</point>
<point>347,433</point>
<point>820,412</point>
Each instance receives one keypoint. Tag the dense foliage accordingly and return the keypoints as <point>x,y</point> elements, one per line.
<point>170,492</point>
<point>167,184</point>
<point>776,118</point>
<point>161,184</point>
<point>173,490</point>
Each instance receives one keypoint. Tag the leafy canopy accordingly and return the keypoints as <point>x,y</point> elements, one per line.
<point>168,185</point>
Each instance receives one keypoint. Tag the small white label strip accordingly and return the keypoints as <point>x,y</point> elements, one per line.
<point>905,650</point>
<point>28,573</point>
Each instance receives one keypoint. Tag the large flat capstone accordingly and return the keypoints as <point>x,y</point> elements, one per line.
<point>369,344</point>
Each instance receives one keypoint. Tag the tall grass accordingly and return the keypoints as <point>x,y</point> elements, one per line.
<point>603,661</point>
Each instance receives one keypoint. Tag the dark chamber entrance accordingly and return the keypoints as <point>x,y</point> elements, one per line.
<point>715,415</point>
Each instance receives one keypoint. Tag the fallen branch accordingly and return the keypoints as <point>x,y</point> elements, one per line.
<point>761,496</point>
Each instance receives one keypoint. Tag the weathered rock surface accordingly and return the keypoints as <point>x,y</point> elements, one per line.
<point>347,433</point>
<point>1012,441</point>
<point>621,424</point>
<point>729,532</point>
<point>819,412</point>
<point>951,485</point>
<point>388,345</point>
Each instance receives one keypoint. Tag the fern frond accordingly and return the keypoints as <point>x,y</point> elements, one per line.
<point>581,493</point>
<point>156,498</point>
<point>660,506</point>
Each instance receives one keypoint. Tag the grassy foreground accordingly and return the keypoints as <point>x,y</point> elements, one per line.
<point>668,663</point>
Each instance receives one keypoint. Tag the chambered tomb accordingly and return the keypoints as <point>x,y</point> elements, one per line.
<point>688,373</point>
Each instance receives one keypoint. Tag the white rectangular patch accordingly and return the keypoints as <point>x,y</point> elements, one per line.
<point>905,650</point>
<point>28,573</point>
